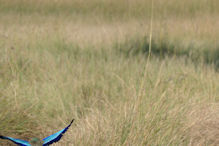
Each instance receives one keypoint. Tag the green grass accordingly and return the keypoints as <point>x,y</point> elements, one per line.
<point>110,8</point>
<point>58,63</point>
<point>162,47</point>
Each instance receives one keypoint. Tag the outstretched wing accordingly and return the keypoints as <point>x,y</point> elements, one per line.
<point>16,141</point>
<point>55,137</point>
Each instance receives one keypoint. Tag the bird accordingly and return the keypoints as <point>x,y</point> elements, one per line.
<point>36,141</point>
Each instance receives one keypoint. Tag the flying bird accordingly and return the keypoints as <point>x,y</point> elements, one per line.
<point>36,141</point>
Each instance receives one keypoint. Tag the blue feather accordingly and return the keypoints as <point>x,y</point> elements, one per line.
<point>16,141</point>
<point>46,141</point>
<point>55,137</point>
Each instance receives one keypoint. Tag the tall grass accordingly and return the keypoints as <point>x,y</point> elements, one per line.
<point>110,8</point>
<point>58,63</point>
<point>162,47</point>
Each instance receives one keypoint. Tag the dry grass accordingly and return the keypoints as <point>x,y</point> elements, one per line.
<point>63,60</point>
<point>204,129</point>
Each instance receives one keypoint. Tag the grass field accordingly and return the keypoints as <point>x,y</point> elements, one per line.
<point>88,60</point>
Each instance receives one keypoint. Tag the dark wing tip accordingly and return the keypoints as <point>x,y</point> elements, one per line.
<point>1,136</point>
<point>72,121</point>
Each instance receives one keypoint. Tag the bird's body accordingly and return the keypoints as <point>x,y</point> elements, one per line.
<point>36,141</point>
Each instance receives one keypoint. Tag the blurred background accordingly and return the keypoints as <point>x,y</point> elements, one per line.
<point>90,60</point>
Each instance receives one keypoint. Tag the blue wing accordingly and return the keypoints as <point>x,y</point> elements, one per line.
<point>16,141</point>
<point>55,137</point>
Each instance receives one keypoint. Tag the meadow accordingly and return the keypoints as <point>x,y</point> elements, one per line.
<point>128,74</point>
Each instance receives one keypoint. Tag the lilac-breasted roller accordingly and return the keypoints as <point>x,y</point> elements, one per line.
<point>36,141</point>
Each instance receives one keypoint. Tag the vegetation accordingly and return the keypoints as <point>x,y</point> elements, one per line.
<point>88,60</point>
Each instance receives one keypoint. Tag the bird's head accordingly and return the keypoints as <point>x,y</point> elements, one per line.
<point>36,142</point>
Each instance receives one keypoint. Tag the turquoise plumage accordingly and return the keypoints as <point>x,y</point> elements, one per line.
<point>45,142</point>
